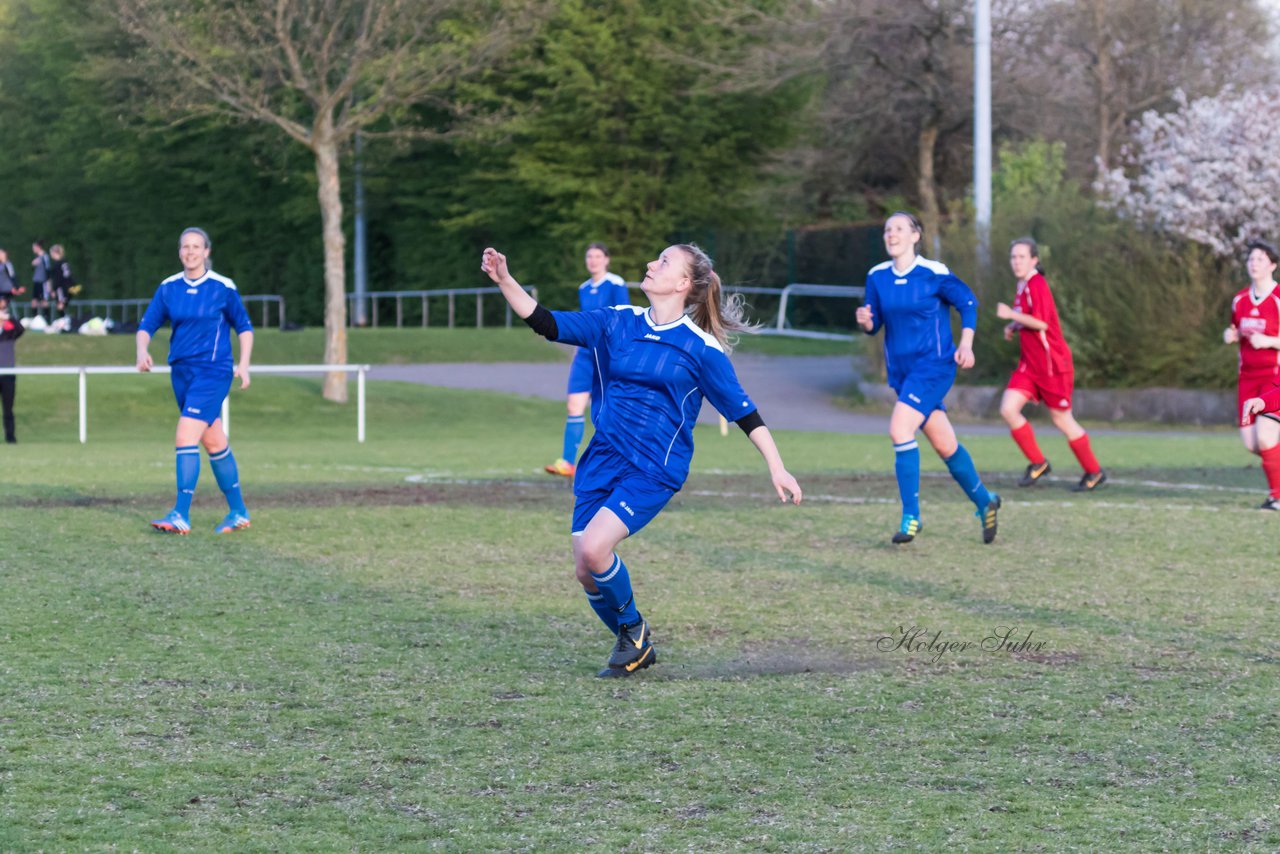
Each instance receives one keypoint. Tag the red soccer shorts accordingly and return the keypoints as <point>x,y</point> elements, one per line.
<point>1054,391</point>
<point>1253,385</point>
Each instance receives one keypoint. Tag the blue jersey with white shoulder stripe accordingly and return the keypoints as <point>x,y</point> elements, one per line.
<point>654,378</point>
<point>606,293</point>
<point>203,313</point>
<point>914,306</point>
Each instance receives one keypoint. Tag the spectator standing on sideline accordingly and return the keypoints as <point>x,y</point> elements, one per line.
<point>41,267</point>
<point>8,279</point>
<point>10,331</point>
<point>61,282</point>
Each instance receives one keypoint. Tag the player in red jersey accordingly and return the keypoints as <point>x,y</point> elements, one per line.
<point>1255,326</point>
<point>1045,372</point>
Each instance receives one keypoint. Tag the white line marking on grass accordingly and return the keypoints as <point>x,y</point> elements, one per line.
<point>1152,484</point>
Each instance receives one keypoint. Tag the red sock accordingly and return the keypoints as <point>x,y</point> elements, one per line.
<point>1026,439</point>
<point>1080,447</point>
<point>1271,467</point>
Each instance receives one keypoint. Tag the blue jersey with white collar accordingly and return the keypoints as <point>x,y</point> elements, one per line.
<point>654,379</point>
<point>607,293</point>
<point>203,313</point>
<point>914,308</point>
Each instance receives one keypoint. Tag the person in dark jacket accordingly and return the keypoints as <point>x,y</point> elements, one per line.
<point>10,331</point>
<point>8,279</point>
<point>62,285</point>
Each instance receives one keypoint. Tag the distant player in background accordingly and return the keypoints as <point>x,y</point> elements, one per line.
<point>1255,326</point>
<point>62,285</point>
<point>602,290</point>
<point>203,308</point>
<point>656,365</point>
<point>1045,371</point>
<point>911,298</point>
<point>41,267</point>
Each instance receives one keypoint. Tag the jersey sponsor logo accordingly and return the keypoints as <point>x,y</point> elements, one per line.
<point>624,506</point>
<point>899,281</point>
<point>652,337</point>
<point>1250,325</point>
<point>193,290</point>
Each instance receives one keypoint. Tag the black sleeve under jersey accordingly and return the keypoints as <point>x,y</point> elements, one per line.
<point>750,422</point>
<point>543,322</point>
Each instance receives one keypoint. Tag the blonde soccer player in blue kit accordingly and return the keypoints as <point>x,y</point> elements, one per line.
<point>203,308</point>
<point>911,298</point>
<point>656,365</point>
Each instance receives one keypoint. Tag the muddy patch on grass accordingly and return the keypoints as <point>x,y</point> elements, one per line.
<point>774,658</point>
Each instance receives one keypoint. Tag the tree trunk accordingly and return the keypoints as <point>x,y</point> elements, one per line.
<point>927,187</point>
<point>1102,78</point>
<point>335,289</point>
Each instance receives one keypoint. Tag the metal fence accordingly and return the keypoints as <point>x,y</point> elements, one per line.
<point>83,372</point>
<point>419,303</point>
<point>781,324</point>
<point>124,310</point>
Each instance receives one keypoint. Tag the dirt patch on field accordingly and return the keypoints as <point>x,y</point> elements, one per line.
<point>775,658</point>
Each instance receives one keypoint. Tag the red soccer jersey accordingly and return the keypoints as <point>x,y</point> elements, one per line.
<point>1250,316</point>
<point>1045,353</point>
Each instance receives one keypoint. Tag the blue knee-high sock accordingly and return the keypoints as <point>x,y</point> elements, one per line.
<point>574,427</point>
<point>614,585</point>
<point>227,474</point>
<point>906,467</point>
<point>187,459</point>
<point>961,466</point>
<point>607,615</point>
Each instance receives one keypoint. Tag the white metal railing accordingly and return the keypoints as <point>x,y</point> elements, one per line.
<point>781,326</point>
<point>83,371</point>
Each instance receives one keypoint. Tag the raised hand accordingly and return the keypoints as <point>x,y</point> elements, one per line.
<point>494,264</point>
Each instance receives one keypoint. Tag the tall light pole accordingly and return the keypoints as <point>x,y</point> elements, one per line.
<point>361,268</point>
<point>982,130</point>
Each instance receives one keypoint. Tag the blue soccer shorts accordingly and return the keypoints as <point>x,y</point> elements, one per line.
<point>924,386</point>
<point>200,390</point>
<point>605,478</point>
<point>581,372</point>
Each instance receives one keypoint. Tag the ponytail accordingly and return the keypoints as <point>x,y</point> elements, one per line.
<point>714,313</point>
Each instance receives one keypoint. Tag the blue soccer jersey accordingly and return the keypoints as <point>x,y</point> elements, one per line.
<point>607,293</point>
<point>203,313</point>
<point>913,307</point>
<point>654,379</point>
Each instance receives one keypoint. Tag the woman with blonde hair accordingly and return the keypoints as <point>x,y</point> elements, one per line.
<point>656,365</point>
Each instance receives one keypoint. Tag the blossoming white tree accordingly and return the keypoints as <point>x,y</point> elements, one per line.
<point>1208,172</point>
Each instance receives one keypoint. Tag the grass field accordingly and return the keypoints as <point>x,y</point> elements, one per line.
<point>395,656</point>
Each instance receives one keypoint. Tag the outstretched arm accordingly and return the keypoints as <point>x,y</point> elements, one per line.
<point>494,264</point>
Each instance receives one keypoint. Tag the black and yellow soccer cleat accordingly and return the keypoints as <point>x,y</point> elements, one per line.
<point>633,651</point>
<point>1090,482</point>
<point>908,529</point>
<point>1034,472</point>
<point>987,516</point>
